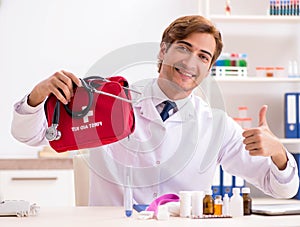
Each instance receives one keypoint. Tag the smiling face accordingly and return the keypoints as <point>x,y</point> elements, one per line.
<point>185,63</point>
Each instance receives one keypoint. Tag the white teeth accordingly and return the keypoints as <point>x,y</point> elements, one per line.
<point>187,74</point>
<point>184,72</point>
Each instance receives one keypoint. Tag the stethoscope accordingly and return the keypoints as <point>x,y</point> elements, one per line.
<point>52,133</point>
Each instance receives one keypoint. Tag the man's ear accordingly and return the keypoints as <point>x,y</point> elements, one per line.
<point>162,51</point>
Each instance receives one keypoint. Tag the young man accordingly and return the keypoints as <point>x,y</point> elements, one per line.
<point>177,150</point>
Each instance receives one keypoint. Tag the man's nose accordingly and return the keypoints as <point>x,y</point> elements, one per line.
<point>191,61</point>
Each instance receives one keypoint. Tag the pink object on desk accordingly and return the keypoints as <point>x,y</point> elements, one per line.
<point>166,198</point>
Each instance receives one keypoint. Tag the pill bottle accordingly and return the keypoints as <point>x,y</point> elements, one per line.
<point>236,203</point>
<point>218,204</point>
<point>208,203</point>
<point>247,201</point>
<point>225,207</point>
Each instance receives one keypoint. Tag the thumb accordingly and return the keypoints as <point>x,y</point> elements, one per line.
<point>262,116</point>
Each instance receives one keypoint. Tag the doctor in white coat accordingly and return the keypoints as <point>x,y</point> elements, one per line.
<point>182,151</point>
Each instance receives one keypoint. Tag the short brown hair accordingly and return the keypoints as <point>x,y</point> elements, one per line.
<point>184,26</point>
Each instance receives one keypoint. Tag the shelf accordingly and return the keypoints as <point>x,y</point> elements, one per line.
<point>292,145</point>
<point>257,79</point>
<point>255,19</point>
<point>289,141</point>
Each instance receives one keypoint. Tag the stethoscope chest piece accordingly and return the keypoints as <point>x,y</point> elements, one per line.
<point>52,133</point>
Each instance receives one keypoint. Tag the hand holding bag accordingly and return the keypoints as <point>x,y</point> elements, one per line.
<point>99,113</point>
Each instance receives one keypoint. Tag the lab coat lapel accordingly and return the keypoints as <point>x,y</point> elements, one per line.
<point>147,110</point>
<point>145,107</point>
<point>186,112</point>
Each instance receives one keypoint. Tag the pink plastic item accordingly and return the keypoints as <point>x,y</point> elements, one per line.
<point>166,198</point>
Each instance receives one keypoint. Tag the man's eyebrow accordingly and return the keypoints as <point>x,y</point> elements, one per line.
<point>190,45</point>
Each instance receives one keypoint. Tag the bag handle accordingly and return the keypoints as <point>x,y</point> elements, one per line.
<point>126,88</point>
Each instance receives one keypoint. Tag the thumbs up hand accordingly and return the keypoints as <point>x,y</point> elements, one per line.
<point>260,141</point>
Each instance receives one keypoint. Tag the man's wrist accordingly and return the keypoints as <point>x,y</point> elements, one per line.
<point>33,101</point>
<point>281,159</point>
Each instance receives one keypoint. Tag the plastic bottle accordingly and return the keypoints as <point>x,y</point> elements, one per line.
<point>247,201</point>
<point>226,206</point>
<point>218,204</point>
<point>208,203</point>
<point>236,203</point>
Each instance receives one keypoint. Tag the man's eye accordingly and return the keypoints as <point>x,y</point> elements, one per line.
<point>183,49</point>
<point>204,58</point>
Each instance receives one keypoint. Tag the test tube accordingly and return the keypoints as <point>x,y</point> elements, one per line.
<point>128,195</point>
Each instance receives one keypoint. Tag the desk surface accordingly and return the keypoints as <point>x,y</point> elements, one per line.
<point>114,216</point>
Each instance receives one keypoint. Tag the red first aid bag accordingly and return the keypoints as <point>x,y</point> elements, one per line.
<point>99,113</point>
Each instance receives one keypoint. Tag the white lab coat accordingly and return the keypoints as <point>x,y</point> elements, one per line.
<point>181,153</point>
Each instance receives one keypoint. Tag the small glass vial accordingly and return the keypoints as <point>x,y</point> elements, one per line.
<point>208,203</point>
<point>227,8</point>
<point>247,201</point>
<point>218,204</point>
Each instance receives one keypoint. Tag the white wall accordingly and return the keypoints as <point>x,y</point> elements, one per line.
<point>38,38</point>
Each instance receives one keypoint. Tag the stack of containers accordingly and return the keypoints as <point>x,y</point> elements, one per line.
<point>230,64</point>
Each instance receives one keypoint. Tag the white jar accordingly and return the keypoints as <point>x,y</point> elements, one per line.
<point>197,204</point>
<point>185,199</point>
